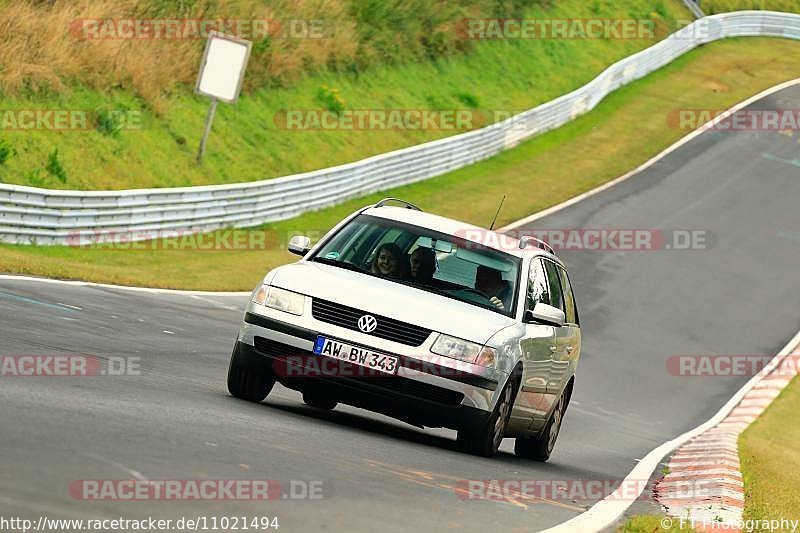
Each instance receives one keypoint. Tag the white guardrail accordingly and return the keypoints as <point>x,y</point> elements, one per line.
<point>31,215</point>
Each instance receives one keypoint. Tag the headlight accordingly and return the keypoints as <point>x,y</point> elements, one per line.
<point>259,295</point>
<point>280,299</point>
<point>464,350</point>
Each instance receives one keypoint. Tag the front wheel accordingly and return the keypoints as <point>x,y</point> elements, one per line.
<point>540,448</point>
<point>486,440</point>
<point>320,401</point>
<point>248,383</point>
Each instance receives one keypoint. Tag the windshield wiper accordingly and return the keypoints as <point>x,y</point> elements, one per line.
<point>425,287</point>
<point>340,264</point>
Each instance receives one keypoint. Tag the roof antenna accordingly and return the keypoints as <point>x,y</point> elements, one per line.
<point>491,228</point>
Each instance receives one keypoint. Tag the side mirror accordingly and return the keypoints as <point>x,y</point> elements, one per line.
<point>546,314</point>
<point>299,245</point>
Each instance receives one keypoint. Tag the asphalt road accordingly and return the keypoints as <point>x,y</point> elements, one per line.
<point>176,421</point>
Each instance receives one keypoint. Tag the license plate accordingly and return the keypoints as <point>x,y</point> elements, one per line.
<point>358,356</point>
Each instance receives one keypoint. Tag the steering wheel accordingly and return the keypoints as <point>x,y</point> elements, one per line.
<point>470,290</point>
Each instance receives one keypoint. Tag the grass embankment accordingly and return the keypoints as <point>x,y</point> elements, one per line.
<point>711,7</point>
<point>411,56</point>
<point>770,460</point>
<point>625,130</point>
<point>654,524</point>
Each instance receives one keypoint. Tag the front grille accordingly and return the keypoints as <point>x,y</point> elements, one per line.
<point>382,384</point>
<point>388,328</point>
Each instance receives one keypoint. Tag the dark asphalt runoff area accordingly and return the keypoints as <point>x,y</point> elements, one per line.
<point>175,420</point>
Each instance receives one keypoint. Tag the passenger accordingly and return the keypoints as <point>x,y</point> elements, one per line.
<point>490,282</point>
<point>423,265</point>
<point>390,261</point>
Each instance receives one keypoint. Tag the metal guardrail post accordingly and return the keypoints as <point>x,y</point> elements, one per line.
<point>694,7</point>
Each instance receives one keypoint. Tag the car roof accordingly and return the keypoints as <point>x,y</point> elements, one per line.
<point>490,239</point>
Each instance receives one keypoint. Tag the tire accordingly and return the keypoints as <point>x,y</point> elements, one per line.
<point>539,448</point>
<point>486,440</point>
<point>319,401</point>
<point>248,383</point>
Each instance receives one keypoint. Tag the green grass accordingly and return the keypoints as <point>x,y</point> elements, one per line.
<point>770,460</point>
<point>711,7</point>
<point>625,130</point>
<point>245,143</point>
<point>653,524</point>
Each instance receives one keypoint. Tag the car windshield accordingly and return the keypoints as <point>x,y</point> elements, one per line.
<point>425,259</point>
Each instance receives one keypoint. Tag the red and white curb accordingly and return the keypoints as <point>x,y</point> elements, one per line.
<point>704,483</point>
<point>716,463</point>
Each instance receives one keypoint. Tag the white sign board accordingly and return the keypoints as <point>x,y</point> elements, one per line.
<point>222,69</point>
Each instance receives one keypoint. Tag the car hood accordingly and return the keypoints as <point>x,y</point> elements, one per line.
<point>394,300</point>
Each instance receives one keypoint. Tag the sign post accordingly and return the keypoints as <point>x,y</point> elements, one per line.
<point>221,74</point>
<point>212,109</point>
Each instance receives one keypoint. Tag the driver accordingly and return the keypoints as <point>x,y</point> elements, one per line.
<point>490,282</point>
<point>423,265</point>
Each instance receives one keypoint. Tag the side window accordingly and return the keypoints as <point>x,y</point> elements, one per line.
<point>569,298</point>
<point>556,298</point>
<point>538,290</point>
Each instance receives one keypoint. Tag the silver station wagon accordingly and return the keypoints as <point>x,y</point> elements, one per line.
<point>426,319</point>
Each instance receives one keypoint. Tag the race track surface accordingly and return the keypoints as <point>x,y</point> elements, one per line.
<point>638,308</point>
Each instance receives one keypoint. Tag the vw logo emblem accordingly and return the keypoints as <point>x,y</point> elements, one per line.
<point>367,323</point>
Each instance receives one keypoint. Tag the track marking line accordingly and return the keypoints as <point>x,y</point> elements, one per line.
<point>29,300</point>
<point>133,473</point>
<point>78,283</point>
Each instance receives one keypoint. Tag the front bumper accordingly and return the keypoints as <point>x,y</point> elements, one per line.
<point>422,392</point>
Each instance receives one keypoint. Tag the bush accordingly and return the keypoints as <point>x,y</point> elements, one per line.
<point>34,178</point>
<point>55,168</point>
<point>331,99</point>
<point>6,151</point>
<point>469,100</point>
<point>107,122</point>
